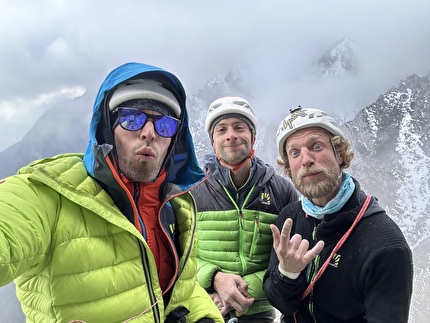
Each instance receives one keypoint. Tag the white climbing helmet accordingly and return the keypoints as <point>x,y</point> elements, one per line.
<point>226,106</point>
<point>301,118</point>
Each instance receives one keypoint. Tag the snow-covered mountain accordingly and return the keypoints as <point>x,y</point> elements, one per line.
<point>390,137</point>
<point>338,60</point>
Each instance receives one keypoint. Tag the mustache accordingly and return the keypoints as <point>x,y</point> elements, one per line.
<point>311,170</point>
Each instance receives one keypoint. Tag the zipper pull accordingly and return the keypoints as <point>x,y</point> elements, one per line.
<point>257,221</point>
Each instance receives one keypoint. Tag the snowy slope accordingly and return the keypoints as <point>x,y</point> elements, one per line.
<point>391,138</point>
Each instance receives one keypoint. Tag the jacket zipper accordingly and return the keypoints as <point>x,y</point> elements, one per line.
<point>240,214</point>
<point>145,260</point>
<point>144,257</point>
<point>312,271</point>
<point>152,296</point>
<point>139,218</point>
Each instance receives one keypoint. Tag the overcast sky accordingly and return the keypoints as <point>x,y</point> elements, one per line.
<point>53,50</point>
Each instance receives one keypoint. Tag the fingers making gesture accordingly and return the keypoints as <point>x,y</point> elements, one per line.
<point>293,252</point>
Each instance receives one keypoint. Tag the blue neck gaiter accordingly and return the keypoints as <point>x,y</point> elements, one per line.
<point>333,205</point>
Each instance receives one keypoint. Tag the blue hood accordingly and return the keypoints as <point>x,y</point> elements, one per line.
<point>181,163</point>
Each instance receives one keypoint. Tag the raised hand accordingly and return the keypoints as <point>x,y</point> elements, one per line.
<point>293,254</point>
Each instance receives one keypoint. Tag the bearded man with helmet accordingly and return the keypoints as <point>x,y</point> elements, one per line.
<point>236,205</point>
<point>337,256</point>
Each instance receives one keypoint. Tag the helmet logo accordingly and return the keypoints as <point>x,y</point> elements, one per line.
<point>289,123</point>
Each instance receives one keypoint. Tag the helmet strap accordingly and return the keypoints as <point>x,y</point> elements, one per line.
<point>235,167</point>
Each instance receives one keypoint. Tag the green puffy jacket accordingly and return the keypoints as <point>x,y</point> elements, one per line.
<point>76,257</point>
<point>234,225</point>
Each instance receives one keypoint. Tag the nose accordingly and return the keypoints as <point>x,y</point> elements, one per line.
<point>148,131</point>
<point>307,157</point>
<point>231,134</point>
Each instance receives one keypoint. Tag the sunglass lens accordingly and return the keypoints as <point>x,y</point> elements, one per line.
<point>166,126</point>
<point>132,119</point>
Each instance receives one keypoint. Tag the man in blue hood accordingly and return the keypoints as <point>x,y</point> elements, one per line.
<point>111,236</point>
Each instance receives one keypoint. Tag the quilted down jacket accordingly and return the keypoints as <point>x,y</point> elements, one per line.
<point>68,240</point>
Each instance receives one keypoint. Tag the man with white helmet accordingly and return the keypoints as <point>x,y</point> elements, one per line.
<point>236,205</point>
<point>337,256</point>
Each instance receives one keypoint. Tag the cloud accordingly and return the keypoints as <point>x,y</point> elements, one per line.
<point>55,44</point>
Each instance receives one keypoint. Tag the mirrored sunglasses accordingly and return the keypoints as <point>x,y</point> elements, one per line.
<point>133,120</point>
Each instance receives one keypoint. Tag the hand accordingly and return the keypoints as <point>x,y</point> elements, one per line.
<point>233,291</point>
<point>223,308</point>
<point>293,254</point>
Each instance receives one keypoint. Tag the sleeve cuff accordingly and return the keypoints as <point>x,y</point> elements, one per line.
<point>211,288</point>
<point>287,273</point>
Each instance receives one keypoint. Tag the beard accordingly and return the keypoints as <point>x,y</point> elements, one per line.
<point>234,156</point>
<point>317,188</point>
<point>136,170</point>
<point>142,173</point>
